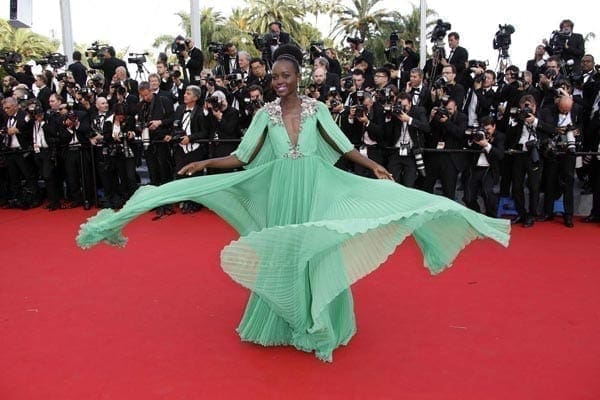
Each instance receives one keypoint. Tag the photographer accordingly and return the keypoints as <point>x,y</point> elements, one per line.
<point>358,50</point>
<point>120,77</point>
<point>121,141</point>
<point>562,125</point>
<point>335,104</point>
<point>548,81</point>
<point>16,134</point>
<point>406,60</point>
<point>446,86</point>
<point>154,81</point>
<point>485,167</point>
<point>262,78</point>
<point>480,100</point>
<point>457,56</point>
<point>350,85</point>
<point>524,137</point>
<point>153,119</point>
<point>448,127</point>
<point>275,38</point>
<point>227,60</point>
<point>331,79</point>
<point>45,152</point>
<point>364,127</point>
<point>318,89</point>
<point>44,92</point>
<point>101,126</point>
<point>189,57</point>
<point>78,70</point>
<point>109,65</point>
<point>418,90</point>
<point>251,104</point>
<point>404,130</point>
<point>566,45</point>
<point>222,123</point>
<point>536,64</point>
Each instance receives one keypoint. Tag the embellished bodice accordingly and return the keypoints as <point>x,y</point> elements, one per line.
<point>279,136</point>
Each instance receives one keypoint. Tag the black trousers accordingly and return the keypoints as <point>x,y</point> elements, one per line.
<point>481,182</point>
<point>160,164</point>
<point>374,153</point>
<point>559,177</point>
<point>522,167</point>
<point>402,168</point>
<point>126,174</point>
<point>595,187</point>
<point>440,166</point>
<point>20,166</point>
<point>182,158</point>
<point>46,163</point>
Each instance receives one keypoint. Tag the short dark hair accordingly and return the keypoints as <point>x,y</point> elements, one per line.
<point>455,35</point>
<point>257,60</point>
<point>527,99</point>
<point>382,70</point>
<point>77,55</point>
<point>487,120</point>
<point>452,66</point>
<point>359,72</point>
<point>252,88</point>
<point>566,22</point>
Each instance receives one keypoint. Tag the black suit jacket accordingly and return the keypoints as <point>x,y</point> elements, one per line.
<point>160,108</point>
<point>495,156</point>
<point>550,118</point>
<point>459,59</point>
<point>43,97</point>
<point>452,133</point>
<point>25,134</point>
<point>417,129</point>
<point>79,72</point>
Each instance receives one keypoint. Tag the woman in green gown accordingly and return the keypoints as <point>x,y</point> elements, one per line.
<point>307,229</point>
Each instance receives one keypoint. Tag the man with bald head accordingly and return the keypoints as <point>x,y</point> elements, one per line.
<point>562,123</point>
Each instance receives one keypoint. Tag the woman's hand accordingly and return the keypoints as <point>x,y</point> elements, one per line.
<point>192,168</point>
<point>382,173</point>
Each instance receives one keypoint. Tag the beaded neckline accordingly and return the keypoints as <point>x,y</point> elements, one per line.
<point>309,108</point>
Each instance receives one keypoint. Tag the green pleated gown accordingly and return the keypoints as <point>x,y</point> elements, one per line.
<point>307,229</point>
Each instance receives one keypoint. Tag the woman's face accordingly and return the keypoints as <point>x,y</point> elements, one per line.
<point>285,79</point>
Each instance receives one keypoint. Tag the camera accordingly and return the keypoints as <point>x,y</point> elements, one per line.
<point>347,83</point>
<point>354,40</point>
<point>61,76</point>
<point>260,43</point>
<point>397,109</point>
<point>440,83</point>
<point>439,32</point>
<point>521,113</point>
<point>216,47</point>
<point>137,58</point>
<point>178,132</point>
<point>11,58</point>
<point>234,80</point>
<point>315,49</point>
<point>361,110</point>
<point>558,40</point>
<point>502,37</point>
<point>254,103</point>
<point>55,60</point>
<point>96,49</point>
<point>214,102</point>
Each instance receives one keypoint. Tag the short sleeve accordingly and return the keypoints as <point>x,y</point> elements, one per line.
<point>334,133</point>
<point>252,137</point>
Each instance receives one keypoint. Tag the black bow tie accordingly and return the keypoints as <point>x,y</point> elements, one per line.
<point>187,111</point>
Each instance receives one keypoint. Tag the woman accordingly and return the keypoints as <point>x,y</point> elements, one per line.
<point>308,230</point>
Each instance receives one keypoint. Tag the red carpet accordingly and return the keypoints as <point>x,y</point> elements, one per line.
<point>156,320</point>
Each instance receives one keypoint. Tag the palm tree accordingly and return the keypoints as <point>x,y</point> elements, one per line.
<point>25,42</point>
<point>262,12</point>
<point>362,20</point>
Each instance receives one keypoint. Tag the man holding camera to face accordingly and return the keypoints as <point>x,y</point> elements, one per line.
<point>189,57</point>
<point>485,166</point>
<point>223,122</point>
<point>566,45</point>
<point>524,137</point>
<point>448,127</point>
<point>404,135</point>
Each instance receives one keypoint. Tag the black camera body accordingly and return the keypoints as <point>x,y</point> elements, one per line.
<point>520,113</point>
<point>354,40</point>
<point>178,132</point>
<point>137,58</point>
<point>11,58</point>
<point>502,38</point>
<point>558,41</point>
<point>254,103</point>
<point>440,83</point>
<point>347,83</point>
<point>214,102</point>
<point>439,31</point>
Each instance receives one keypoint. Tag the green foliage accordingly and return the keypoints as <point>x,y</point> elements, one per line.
<point>25,42</point>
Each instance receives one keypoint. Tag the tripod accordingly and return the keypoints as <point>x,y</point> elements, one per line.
<point>503,60</point>
<point>140,74</point>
